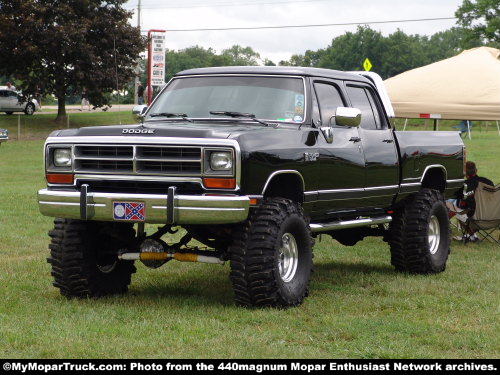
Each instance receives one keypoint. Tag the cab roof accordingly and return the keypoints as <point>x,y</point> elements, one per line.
<point>276,70</point>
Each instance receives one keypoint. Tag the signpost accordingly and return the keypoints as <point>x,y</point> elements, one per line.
<point>156,61</point>
<point>367,65</point>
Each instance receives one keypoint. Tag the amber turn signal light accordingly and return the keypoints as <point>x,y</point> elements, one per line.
<point>59,178</point>
<point>219,183</point>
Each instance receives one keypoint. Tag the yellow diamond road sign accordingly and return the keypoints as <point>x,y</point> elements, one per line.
<point>367,64</point>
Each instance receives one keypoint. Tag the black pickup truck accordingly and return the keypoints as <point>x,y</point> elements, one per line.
<point>253,162</point>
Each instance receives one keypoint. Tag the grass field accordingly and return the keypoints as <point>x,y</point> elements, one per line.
<point>40,125</point>
<point>358,306</point>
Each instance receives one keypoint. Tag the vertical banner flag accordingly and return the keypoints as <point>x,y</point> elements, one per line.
<point>157,58</point>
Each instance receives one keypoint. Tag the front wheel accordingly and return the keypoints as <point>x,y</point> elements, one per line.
<point>30,109</point>
<point>84,257</point>
<point>420,234</point>
<point>271,256</point>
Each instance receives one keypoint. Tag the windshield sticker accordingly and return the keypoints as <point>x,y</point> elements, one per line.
<point>299,104</point>
<point>297,119</point>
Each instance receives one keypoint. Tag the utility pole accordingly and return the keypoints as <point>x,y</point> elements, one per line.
<point>137,69</point>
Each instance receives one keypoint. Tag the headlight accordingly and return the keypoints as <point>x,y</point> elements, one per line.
<point>221,161</point>
<point>62,157</point>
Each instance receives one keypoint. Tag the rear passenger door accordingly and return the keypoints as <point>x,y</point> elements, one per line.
<point>377,138</point>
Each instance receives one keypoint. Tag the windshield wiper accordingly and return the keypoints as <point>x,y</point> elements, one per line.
<point>239,114</point>
<point>170,114</point>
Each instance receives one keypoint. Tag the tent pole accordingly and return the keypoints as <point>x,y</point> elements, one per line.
<point>498,128</point>
<point>468,128</point>
<point>435,124</point>
<point>406,122</point>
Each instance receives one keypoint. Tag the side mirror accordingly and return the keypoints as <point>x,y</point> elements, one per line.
<point>327,133</point>
<point>346,116</point>
<point>139,111</point>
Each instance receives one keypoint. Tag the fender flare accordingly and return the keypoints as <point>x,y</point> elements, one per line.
<point>280,172</point>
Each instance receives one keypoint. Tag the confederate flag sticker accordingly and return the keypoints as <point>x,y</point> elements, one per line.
<point>129,211</point>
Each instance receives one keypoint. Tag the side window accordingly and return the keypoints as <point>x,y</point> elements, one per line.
<point>362,99</point>
<point>3,94</point>
<point>329,100</point>
<point>379,118</point>
<point>12,94</point>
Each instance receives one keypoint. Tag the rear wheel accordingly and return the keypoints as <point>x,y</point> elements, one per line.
<point>420,234</point>
<point>9,112</point>
<point>30,109</point>
<point>84,257</point>
<point>271,256</point>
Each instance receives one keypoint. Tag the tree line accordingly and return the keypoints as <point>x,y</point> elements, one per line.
<point>390,55</point>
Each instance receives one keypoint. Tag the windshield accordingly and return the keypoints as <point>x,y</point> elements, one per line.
<point>268,98</point>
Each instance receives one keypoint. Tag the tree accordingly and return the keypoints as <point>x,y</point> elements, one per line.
<point>451,42</point>
<point>348,51</point>
<point>199,57</point>
<point>190,58</point>
<point>241,56</point>
<point>402,52</point>
<point>309,58</point>
<point>268,62</point>
<point>61,46</point>
<point>390,55</point>
<point>482,19</point>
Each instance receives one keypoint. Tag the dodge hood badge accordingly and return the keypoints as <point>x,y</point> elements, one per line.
<point>138,131</point>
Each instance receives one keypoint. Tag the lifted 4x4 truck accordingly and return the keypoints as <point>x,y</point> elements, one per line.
<point>253,162</point>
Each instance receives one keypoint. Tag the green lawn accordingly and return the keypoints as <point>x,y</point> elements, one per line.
<point>358,306</point>
<point>40,125</point>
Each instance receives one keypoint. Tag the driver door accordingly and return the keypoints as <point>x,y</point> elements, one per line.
<point>342,177</point>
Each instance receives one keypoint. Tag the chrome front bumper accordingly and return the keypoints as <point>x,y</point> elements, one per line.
<point>160,209</point>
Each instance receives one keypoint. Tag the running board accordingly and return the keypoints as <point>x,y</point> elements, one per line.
<point>337,225</point>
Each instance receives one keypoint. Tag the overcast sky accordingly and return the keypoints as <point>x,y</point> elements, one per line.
<point>281,44</point>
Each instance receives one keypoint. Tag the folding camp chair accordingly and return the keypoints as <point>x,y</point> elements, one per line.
<point>486,219</point>
<point>464,127</point>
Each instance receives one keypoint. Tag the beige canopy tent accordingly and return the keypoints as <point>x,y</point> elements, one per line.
<point>463,87</point>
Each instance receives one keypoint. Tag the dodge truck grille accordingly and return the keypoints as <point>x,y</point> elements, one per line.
<point>141,160</point>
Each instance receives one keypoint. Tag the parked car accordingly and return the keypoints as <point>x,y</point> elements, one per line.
<point>11,101</point>
<point>253,162</point>
<point>4,135</point>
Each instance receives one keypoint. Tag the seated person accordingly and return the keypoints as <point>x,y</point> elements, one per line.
<point>464,206</point>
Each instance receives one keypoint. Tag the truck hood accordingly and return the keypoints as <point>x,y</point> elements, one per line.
<point>168,129</point>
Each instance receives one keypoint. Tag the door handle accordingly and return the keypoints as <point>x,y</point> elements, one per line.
<point>355,139</point>
<point>388,140</point>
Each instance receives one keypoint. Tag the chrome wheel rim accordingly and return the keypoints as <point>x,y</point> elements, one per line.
<point>29,110</point>
<point>288,257</point>
<point>434,234</point>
